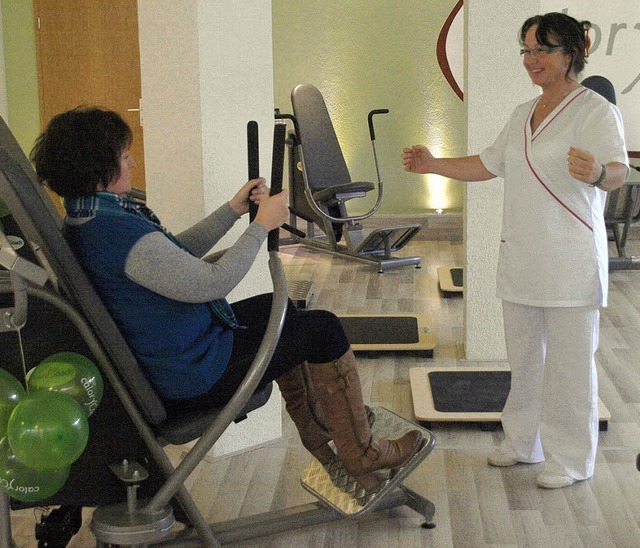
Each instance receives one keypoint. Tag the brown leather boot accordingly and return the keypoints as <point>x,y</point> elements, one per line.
<point>340,398</point>
<point>313,435</point>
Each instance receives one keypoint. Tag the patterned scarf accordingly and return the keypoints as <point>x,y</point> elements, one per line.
<point>82,209</point>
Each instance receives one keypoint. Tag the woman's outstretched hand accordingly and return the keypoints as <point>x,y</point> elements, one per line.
<point>417,159</point>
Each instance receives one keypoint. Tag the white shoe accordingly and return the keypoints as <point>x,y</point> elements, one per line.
<point>554,481</point>
<point>501,458</point>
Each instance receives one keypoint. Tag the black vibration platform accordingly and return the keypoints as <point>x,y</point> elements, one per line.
<point>466,395</point>
<point>389,332</point>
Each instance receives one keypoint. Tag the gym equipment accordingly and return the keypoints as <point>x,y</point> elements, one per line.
<point>621,211</point>
<point>320,186</point>
<point>459,394</point>
<point>622,208</point>
<point>144,507</point>
<point>450,280</point>
<point>389,333</point>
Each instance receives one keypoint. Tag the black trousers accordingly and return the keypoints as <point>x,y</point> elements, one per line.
<point>315,336</point>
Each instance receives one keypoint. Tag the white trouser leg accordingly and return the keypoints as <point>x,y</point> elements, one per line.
<point>526,341</point>
<point>570,394</point>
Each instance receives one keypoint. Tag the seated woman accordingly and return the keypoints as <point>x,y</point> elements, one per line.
<point>170,305</point>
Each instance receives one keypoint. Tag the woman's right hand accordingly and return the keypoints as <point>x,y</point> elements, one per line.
<point>417,159</point>
<point>273,211</point>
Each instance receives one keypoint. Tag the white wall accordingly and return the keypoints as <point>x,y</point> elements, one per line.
<point>495,83</point>
<point>206,71</point>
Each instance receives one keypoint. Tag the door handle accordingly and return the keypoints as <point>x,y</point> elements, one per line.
<point>139,109</point>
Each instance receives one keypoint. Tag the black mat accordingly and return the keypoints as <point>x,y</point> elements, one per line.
<point>469,392</point>
<point>456,277</point>
<point>381,329</point>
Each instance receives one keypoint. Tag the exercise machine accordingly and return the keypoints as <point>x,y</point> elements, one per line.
<point>450,280</point>
<point>621,211</point>
<point>462,394</point>
<point>321,186</point>
<point>390,333</point>
<point>125,471</point>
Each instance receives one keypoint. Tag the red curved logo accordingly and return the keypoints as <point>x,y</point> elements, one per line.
<point>450,48</point>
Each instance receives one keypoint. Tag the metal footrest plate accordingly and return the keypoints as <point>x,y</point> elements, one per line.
<point>334,487</point>
<point>387,240</point>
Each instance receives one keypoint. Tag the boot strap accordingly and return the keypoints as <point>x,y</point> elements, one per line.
<point>373,451</point>
<point>338,384</point>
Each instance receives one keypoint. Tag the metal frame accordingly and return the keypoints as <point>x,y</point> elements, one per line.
<point>619,222</point>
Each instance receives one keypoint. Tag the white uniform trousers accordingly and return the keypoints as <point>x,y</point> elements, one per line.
<point>551,413</point>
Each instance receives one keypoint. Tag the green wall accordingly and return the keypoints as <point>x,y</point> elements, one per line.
<point>367,54</point>
<point>21,70</point>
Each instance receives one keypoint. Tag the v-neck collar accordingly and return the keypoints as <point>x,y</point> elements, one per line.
<point>553,114</point>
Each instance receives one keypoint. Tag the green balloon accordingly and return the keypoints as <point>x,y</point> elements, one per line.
<point>71,374</point>
<point>11,392</point>
<point>24,483</point>
<point>48,430</point>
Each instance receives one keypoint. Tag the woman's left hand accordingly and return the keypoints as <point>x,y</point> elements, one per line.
<point>252,190</point>
<point>583,165</point>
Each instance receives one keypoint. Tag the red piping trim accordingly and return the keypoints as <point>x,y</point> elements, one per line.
<point>526,153</point>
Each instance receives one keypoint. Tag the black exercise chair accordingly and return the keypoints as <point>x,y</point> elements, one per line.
<point>50,274</point>
<point>320,186</point>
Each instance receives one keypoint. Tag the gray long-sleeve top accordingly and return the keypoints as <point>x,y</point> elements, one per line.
<point>156,263</point>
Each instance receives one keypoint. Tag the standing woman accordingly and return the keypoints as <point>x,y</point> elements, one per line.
<point>559,155</point>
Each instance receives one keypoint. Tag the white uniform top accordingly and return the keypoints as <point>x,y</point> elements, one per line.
<point>553,248</point>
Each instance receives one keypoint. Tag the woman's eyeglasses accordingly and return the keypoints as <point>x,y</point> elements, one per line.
<point>541,50</point>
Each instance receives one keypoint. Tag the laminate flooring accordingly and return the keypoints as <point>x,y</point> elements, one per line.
<point>476,505</point>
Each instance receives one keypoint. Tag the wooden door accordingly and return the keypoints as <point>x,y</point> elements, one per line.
<point>89,55</point>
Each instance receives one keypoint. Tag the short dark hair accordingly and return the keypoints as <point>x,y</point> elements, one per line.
<point>81,149</point>
<point>566,31</point>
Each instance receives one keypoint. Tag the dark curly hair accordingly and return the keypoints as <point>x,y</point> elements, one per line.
<point>80,150</point>
<point>565,31</point>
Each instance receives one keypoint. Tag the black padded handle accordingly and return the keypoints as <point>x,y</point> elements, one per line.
<point>253,157</point>
<point>371,115</point>
<point>277,168</point>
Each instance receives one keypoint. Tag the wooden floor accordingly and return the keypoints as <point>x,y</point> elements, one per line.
<point>476,505</point>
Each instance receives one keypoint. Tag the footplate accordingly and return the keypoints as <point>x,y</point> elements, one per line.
<point>334,487</point>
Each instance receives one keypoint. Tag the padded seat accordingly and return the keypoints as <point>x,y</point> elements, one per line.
<point>183,426</point>
<point>337,192</point>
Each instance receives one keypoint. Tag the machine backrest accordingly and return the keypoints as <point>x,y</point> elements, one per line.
<point>601,85</point>
<point>323,159</point>
<point>40,223</point>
